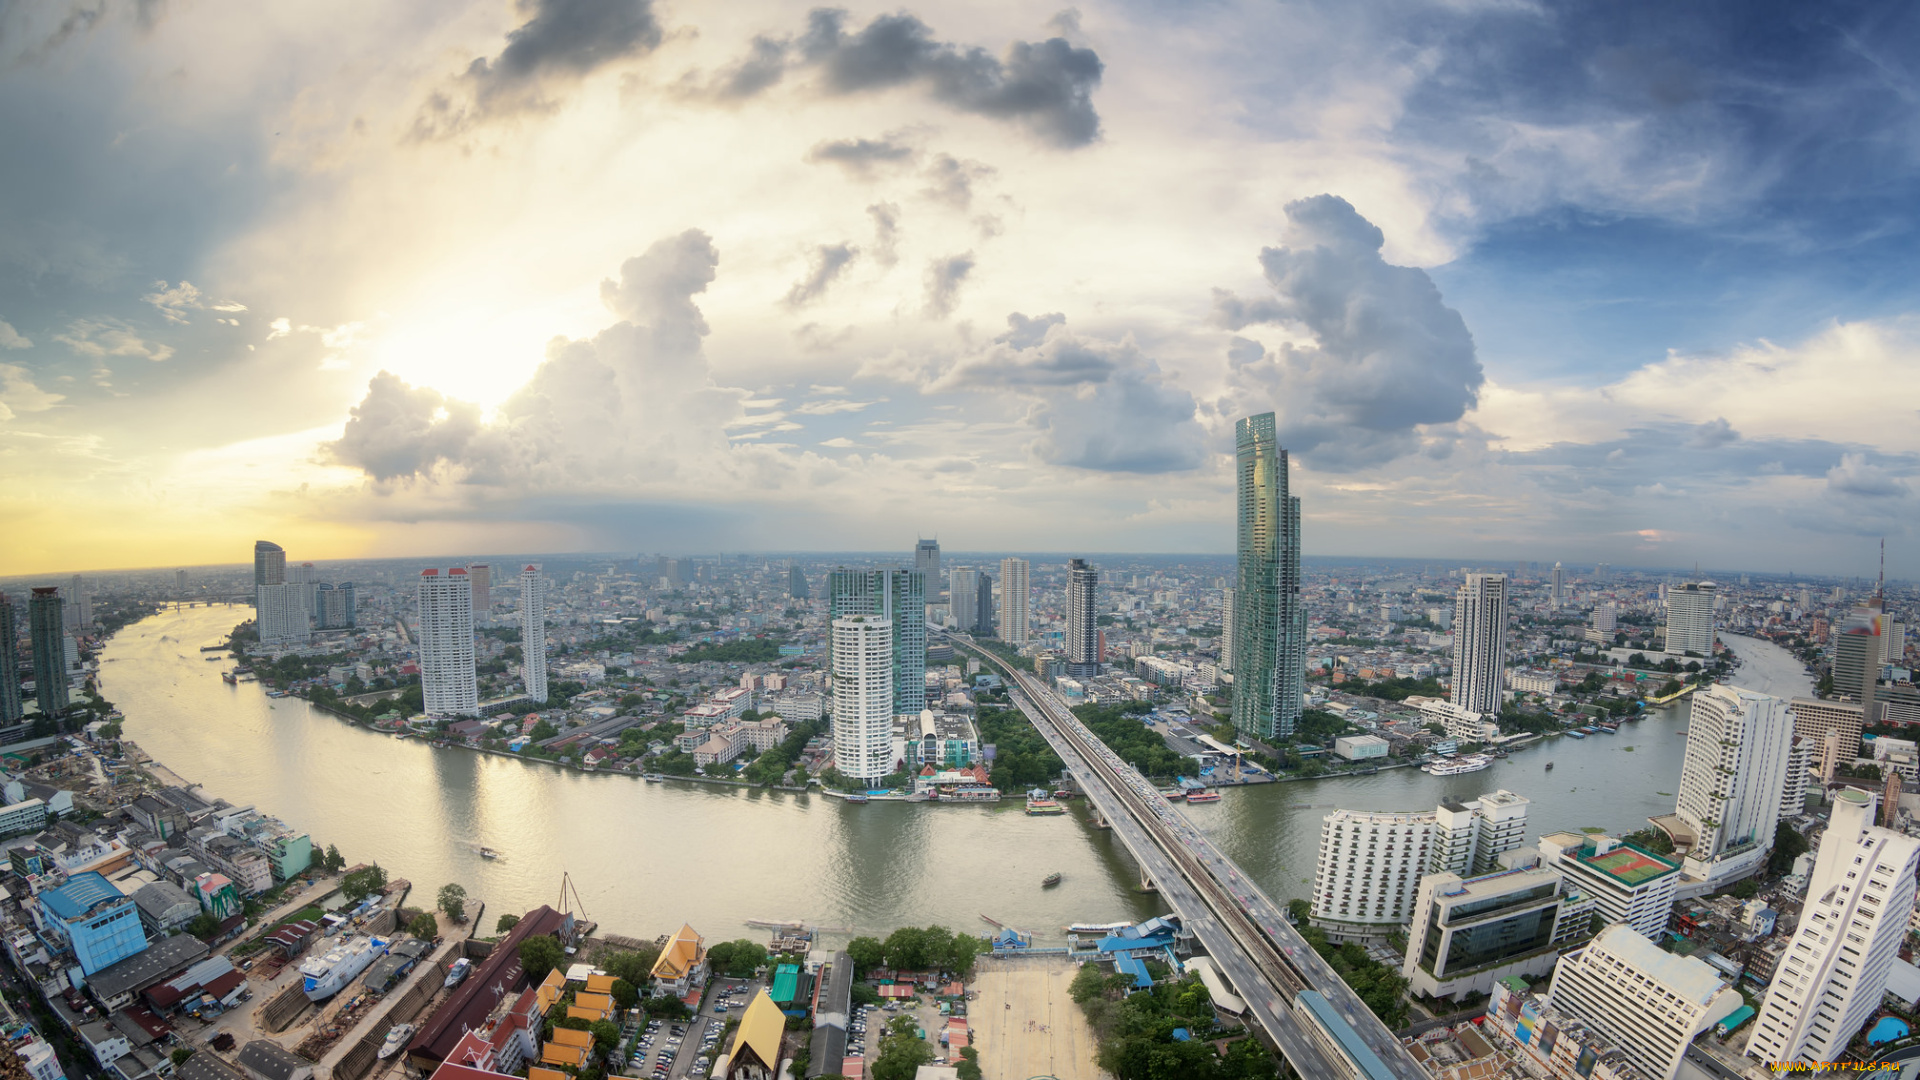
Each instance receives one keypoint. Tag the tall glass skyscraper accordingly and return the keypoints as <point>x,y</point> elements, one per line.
<point>1083,631</point>
<point>47,615</point>
<point>900,597</point>
<point>1269,622</point>
<point>10,707</point>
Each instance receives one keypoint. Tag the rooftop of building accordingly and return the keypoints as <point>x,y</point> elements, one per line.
<point>157,961</point>
<point>1687,977</point>
<point>80,895</point>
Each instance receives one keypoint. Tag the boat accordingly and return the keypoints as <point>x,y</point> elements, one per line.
<point>398,1035</point>
<point>487,853</point>
<point>1063,793</point>
<point>324,976</point>
<point>1174,794</point>
<point>1467,764</point>
<point>1102,928</point>
<point>1040,803</point>
<point>1575,734</point>
<point>655,778</point>
<point>1050,880</point>
<point>1203,796</point>
<point>856,799</point>
<point>1549,766</point>
<point>457,972</point>
<point>230,678</point>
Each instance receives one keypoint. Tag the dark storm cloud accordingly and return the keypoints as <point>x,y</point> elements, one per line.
<point>824,266</point>
<point>561,41</point>
<point>1387,356</point>
<point>943,279</point>
<point>1044,86</point>
<point>862,157</point>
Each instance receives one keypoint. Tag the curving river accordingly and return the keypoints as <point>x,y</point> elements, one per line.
<point>647,857</point>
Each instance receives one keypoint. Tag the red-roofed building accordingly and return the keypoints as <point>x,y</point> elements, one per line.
<point>498,980</point>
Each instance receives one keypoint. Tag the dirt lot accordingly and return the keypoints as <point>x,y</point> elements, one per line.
<point>1024,1024</point>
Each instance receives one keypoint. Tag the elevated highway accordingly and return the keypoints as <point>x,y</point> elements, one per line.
<point>1261,954</point>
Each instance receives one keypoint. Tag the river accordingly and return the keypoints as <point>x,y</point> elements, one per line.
<point>648,857</point>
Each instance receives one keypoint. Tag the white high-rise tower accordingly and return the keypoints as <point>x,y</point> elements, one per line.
<point>863,696</point>
<point>533,633</point>
<point>1739,744</point>
<point>1559,585</point>
<point>1690,619</point>
<point>1480,642</point>
<point>448,685</point>
<point>1831,978</point>
<point>1013,601</point>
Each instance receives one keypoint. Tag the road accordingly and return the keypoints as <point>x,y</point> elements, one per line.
<point>1265,959</point>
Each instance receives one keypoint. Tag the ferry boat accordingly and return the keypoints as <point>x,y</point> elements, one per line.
<point>324,976</point>
<point>1038,803</point>
<point>856,799</point>
<point>1174,794</point>
<point>1576,733</point>
<point>397,1037</point>
<point>1050,880</point>
<point>1468,764</point>
<point>656,778</point>
<point>1101,928</point>
<point>1063,793</point>
<point>1203,796</point>
<point>458,972</point>
<point>230,678</point>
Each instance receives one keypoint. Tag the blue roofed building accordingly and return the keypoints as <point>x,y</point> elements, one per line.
<point>97,923</point>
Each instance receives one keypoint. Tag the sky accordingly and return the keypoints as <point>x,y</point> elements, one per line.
<point>1615,281</point>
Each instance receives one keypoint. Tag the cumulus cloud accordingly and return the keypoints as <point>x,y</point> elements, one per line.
<point>11,338</point>
<point>105,337</point>
<point>1023,332</point>
<point>399,431</point>
<point>943,279</point>
<point>864,158</point>
<point>1044,86</point>
<point>1856,476</point>
<point>886,232</point>
<point>824,266</point>
<point>560,43</point>
<point>1388,357</point>
<point>950,180</point>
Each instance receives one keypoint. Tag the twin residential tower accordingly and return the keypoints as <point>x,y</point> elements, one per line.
<point>1269,623</point>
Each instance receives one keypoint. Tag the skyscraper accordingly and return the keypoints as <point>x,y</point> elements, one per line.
<point>44,612</point>
<point>269,564</point>
<point>1858,649</point>
<point>863,696</point>
<point>1831,978</point>
<point>448,684</point>
<point>180,583</point>
<point>1014,599</point>
<point>1690,619</point>
<point>926,559</point>
<point>305,577</point>
<point>1226,630</point>
<point>533,633</point>
<point>80,605</point>
<point>1651,1003</point>
<point>1559,585</point>
<point>1480,642</point>
<point>797,584</point>
<point>1732,778</point>
<point>10,707</point>
<point>280,615</point>
<point>334,606</point>
<point>1083,627</point>
<point>1270,624</point>
<point>983,614</point>
<point>963,597</point>
<point>899,597</point>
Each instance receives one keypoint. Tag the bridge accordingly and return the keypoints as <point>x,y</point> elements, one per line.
<point>1306,1010</point>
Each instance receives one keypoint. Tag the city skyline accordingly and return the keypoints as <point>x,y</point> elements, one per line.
<point>1606,292</point>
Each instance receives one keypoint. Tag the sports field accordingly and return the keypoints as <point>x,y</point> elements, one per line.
<point>1024,1024</point>
<point>1630,866</point>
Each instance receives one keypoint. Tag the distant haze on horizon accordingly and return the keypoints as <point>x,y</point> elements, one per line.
<point>1590,282</point>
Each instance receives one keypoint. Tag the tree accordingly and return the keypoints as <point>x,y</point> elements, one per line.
<point>539,954</point>
<point>362,882</point>
<point>1300,910</point>
<point>180,1055</point>
<point>336,862</point>
<point>453,901</point>
<point>634,966</point>
<point>625,994</point>
<point>901,1057</point>
<point>316,859</point>
<point>605,1034</point>
<point>737,959</point>
<point>203,926</point>
<point>1788,845</point>
<point>424,926</point>
<point>506,923</point>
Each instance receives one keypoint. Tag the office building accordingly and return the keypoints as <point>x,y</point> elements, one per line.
<point>1083,629</point>
<point>1014,601</point>
<point>1226,630</point>
<point>98,923</point>
<point>1480,643</point>
<point>984,619</point>
<point>11,706</point>
<point>1468,932</point>
<point>1370,863</point>
<point>899,597</point>
<point>481,574</point>
<point>269,565</point>
<point>1650,1002</point>
<point>46,615</point>
<point>1557,590</point>
<point>533,633</point>
<point>336,610</point>
<point>1606,618</point>
<point>448,684</point>
<point>306,577</point>
<point>1859,648</point>
<point>180,583</point>
<point>79,605</point>
<point>926,559</point>
<point>863,696</point>
<point>281,615</point>
<point>797,584</point>
<point>1815,719</point>
<point>1628,883</point>
<point>963,598</point>
<point>1832,976</point>
<point>1732,778</point>
<point>1690,619</point>
<point>1270,623</point>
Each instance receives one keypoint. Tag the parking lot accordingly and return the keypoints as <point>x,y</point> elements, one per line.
<point>1025,1024</point>
<point>677,1049</point>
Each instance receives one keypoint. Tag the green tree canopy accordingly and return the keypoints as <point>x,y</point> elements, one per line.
<point>453,901</point>
<point>362,882</point>
<point>506,922</point>
<point>539,954</point>
<point>424,926</point>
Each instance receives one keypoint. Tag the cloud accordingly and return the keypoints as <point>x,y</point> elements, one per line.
<point>943,279</point>
<point>1387,358</point>
<point>886,232</point>
<point>11,338</point>
<point>831,406</point>
<point>864,158</point>
<point>1855,476</point>
<point>18,393</point>
<point>560,43</point>
<point>1024,332</point>
<point>1045,87</point>
<point>400,431</point>
<point>824,266</point>
<point>175,301</point>
<point>110,337</point>
<point>950,180</point>
<point>1715,432</point>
